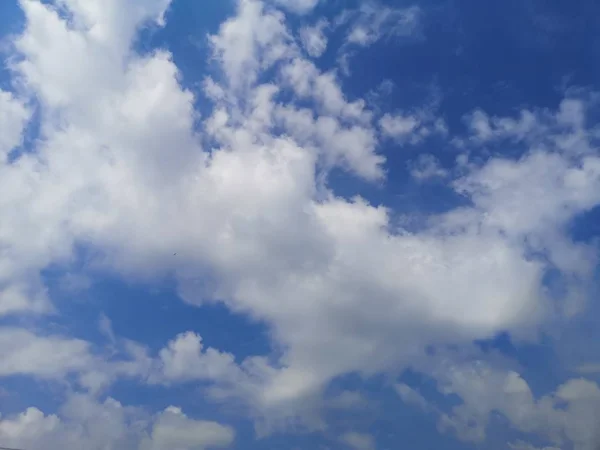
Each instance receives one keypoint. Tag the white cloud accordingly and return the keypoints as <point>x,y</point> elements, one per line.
<point>372,22</point>
<point>298,6</point>
<point>53,358</point>
<point>565,129</point>
<point>398,126</point>
<point>173,429</point>
<point>411,396</point>
<point>314,39</point>
<point>14,115</point>
<point>61,359</point>
<point>375,22</point>
<point>412,128</point>
<point>252,40</point>
<point>184,359</point>
<point>18,296</point>
<point>101,37</point>
<point>105,327</point>
<point>83,422</point>
<point>352,148</point>
<point>24,353</point>
<point>124,102</point>
<point>358,441</point>
<point>121,169</point>
<point>427,167</point>
<point>564,417</point>
<point>306,80</point>
<point>550,190</point>
<point>112,22</point>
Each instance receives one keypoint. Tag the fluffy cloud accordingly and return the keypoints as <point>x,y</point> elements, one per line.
<point>173,429</point>
<point>567,416</point>
<point>245,202</point>
<point>53,358</point>
<point>398,126</point>
<point>412,128</point>
<point>24,353</point>
<point>308,82</point>
<point>84,422</point>
<point>567,129</point>
<point>184,359</point>
<point>251,41</point>
<point>314,39</point>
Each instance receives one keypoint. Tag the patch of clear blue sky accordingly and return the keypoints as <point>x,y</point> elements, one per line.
<point>11,22</point>
<point>498,56</point>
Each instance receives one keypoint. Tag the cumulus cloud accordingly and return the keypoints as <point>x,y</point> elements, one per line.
<point>184,358</point>
<point>398,126</point>
<point>83,422</point>
<point>53,357</point>
<point>308,82</point>
<point>314,39</point>
<point>258,225</point>
<point>24,353</point>
<point>173,429</point>
<point>566,129</point>
<point>412,128</point>
<point>252,40</point>
<point>566,416</point>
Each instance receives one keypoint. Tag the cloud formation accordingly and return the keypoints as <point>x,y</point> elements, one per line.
<point>567,416</point>
<point>124,166</point>
<point>85,423</point>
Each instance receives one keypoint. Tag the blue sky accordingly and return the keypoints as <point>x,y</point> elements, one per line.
<point>268,224</point>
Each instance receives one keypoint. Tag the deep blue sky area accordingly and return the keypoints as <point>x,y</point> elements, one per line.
<point>501,57</point>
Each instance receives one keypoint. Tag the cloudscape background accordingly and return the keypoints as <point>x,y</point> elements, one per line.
<point>299,224</point>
